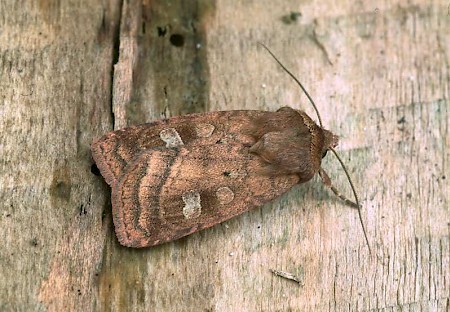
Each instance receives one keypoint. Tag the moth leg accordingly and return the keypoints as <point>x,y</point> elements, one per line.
<point>327,181</point>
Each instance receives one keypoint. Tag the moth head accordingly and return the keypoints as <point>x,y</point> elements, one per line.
<point>331,140</point>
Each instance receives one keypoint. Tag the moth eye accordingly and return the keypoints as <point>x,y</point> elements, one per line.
<point>324,153</point>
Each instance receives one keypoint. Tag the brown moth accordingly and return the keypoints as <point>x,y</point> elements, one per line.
<point>176,176</point>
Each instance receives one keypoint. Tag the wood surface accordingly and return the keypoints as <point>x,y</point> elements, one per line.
<point>379,72</point>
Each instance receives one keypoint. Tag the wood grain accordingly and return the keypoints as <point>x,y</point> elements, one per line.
<point>380,75</point>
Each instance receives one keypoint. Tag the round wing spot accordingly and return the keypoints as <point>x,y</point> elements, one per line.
<point>171,137</point>
<point>225,195</point>
<point>204,130</point>
<point>192,206</point>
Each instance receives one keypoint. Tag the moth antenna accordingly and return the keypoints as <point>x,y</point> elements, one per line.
<point>332,149</point>
<point>356,197</point>
<point>297,81</point>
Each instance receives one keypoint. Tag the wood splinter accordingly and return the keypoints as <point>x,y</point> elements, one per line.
<point>288,276</point>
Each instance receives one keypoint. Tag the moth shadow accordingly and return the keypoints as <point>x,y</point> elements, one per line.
<point>313,193</point>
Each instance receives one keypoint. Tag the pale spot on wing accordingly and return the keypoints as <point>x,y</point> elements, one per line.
<point>225,195</point>
<point>192,207</point>
<point>171,137</point>
<point>204,130</point>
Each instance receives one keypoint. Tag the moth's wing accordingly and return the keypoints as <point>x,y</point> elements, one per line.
<point>113,151</point>
<point>168,193</point>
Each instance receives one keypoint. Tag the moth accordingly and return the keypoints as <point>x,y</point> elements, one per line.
<point>176,176</point>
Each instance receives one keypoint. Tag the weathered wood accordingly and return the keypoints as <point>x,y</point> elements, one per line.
<point>380,76</point>
<point>55,68</point>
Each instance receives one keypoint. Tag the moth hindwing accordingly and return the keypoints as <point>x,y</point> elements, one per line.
<point>173,177</point>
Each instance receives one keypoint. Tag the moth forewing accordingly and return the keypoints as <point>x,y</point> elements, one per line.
<point>115,150</point>
<point>168,193</point>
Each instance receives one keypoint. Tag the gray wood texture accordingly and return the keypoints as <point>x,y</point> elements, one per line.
<point>379,73</point>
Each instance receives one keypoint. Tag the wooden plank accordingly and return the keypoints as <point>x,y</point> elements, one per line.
<point>379,74</point>
<point>55,68</point>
